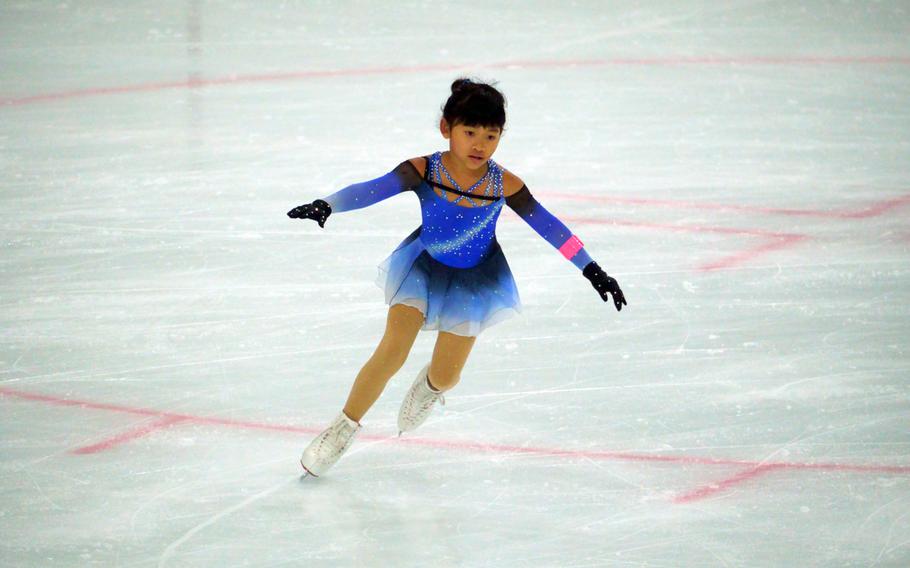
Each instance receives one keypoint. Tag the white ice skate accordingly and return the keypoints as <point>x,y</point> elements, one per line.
<point>418,403</point>
<point>328,447</point>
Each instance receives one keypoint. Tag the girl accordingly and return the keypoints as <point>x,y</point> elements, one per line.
<point>450,274</point>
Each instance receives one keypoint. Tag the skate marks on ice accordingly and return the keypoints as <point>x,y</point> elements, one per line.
<point>214,519</point>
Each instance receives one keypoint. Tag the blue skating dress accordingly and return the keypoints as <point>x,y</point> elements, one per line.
<point>451,267</point>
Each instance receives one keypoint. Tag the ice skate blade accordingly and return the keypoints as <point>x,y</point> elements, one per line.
<point>306,472</point>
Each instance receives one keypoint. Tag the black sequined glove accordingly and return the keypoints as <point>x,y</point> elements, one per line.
<point>318,211</point>
<point>604,284</point>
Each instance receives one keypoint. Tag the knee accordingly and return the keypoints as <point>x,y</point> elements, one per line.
<point>443,378</point>
<point>392,355</point>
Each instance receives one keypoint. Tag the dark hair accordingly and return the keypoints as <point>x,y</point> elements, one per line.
<point>475,104</point>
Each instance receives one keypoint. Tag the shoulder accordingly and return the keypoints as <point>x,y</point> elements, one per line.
<point>420,163</point>
<point>511,183</point>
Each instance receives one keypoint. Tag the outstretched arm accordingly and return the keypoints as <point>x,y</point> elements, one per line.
<point>557,234</point>
<point>359,195</point>
<point>549,227</point>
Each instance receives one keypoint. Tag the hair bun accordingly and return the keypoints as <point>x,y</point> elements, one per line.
<point>474,103</point>
<point>460,84</point>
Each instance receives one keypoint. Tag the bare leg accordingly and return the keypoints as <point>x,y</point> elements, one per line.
<point>449,357</point>
<point>402,325</point>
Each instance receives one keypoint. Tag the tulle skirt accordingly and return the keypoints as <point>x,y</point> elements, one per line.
<point>464,301</point>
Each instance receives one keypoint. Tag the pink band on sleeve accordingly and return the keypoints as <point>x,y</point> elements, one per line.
<point>571,247</point>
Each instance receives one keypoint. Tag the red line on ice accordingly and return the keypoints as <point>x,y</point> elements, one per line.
<point>773,241</point>
<point>723,485</point>
<point>732,60</point>
<point>59,401</point>
<point>672,61</point>
<point>875,209</point>
<point>785,241</point>
<point>129,435</point>
<point>637,457</point>
<point>599,455</point>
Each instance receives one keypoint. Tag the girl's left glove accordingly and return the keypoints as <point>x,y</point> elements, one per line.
<point>604,284</point>
<point>318,211</point>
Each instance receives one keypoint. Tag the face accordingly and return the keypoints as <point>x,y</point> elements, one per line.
<point>471,146</point>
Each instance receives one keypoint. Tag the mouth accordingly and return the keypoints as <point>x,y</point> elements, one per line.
<point>476,158</point>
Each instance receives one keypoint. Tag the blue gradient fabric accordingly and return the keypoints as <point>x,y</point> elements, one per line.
<point>359,195</point>
<point>463,301</point>
<point>451,267</point>
<point>547,226</point>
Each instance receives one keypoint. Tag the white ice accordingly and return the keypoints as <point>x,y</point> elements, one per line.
<point>169,340</point>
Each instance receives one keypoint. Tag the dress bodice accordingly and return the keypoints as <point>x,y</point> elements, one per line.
<point>462,232</point>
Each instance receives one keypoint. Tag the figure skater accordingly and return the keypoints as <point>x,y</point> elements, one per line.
<point>450,274</point>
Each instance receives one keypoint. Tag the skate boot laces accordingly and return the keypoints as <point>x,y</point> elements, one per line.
<point>425,397</point>
<point>339,435</point>
<point>418,403</point>
<point>328,447</point>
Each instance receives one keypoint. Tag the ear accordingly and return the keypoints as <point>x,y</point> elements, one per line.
<point>444,128</point>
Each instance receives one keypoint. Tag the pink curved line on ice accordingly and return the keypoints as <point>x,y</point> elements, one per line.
<point>669,61</point>
<point>501,449</point>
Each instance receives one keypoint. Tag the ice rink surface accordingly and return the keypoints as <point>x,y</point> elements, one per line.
<point>170,341</point>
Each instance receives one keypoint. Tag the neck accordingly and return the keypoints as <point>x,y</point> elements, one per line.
<point>460,170</point>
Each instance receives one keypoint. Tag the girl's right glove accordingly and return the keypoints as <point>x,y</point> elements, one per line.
<point>604,284</point>
<point>318,211</point>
